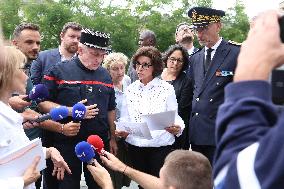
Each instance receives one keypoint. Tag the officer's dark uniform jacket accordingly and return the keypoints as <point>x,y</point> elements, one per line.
<point>208,90</point>
<point>70,82</point>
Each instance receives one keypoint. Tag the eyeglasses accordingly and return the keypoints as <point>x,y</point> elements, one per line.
<point>173,60</point>
<point>144,66</point>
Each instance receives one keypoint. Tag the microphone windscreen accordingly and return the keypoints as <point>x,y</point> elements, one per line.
<point>84,152</point>
<point>78,111</point>
<point>38,93</point>
<point>58,113</point>
<point>97,142</point>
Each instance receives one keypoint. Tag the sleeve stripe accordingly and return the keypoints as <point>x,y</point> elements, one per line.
<point>245,168</point>
<point>218,181</point>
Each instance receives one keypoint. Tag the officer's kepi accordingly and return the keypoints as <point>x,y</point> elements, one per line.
<point>203,16</point>
<point>95,39</point>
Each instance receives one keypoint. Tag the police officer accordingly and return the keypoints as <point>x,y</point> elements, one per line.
<point>211,69</point>
<point>80,78</point>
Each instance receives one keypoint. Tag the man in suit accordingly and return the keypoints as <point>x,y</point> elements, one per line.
<point>184,36</point>
<point>26,38</point>
<point>70,37</point>
<point>211,69</point>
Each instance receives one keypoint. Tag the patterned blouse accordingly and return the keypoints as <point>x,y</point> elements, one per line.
<point>157,96</point>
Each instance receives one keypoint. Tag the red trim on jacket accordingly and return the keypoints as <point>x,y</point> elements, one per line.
<point>50,78</point>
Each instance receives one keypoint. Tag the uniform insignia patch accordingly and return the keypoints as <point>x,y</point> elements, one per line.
<point>234,43</point>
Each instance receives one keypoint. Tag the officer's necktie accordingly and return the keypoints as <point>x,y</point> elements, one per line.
<point>207,59</point>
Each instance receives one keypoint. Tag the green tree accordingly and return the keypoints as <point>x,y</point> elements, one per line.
<point>9,16</point>
<point>236,23</point>
<point>50,16</point>
<point>123,23</point>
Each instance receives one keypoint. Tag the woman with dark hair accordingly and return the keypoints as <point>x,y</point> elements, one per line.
<point>176,60</point>
<point>148,95</point>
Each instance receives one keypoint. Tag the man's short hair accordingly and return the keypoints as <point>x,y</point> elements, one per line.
<point>72,25</point>
<point>148,34</point>
<point>188,169</point>
<point>24,26</point>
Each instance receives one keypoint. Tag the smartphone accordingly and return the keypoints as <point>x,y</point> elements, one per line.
<point>281,24</point>
<point>277,75</point>
<point>277,84</point>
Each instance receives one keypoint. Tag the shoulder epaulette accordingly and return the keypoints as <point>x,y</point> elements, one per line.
<point>234,43</point>
<point>195,52</point>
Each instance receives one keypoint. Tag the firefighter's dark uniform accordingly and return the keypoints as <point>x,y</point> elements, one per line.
<point>70,82</point>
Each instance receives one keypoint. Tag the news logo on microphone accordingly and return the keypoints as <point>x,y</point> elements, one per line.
<point>78,112</point>
<point>85,152</point>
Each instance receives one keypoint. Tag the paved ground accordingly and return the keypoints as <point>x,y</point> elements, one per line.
<point>133,185</point>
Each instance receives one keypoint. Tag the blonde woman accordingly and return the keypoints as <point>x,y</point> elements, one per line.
<point>12,136</point>
<point>115,63</point>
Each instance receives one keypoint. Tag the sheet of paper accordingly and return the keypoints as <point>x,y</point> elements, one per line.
<point>137,129</point>
<point>159,121</point>
<point>16,162</point>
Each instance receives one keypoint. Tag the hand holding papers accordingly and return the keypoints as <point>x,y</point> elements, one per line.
<point>137,129</point>
<point>159,121</point>
<point>151,122</point>
<point>15,163</point>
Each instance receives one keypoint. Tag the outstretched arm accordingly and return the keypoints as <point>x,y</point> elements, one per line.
<point>145,180</point>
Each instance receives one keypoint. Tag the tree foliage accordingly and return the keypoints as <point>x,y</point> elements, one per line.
<point>236,24</point>
<point>122,22</point>
<point>9,15</point>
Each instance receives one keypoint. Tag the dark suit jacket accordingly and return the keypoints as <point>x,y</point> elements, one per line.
<point>40,66</point>
<point>208,91</point>
<point>194,51</point>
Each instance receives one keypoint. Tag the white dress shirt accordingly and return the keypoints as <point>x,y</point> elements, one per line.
<point>119,95</point>
<point>190,51</point>
<point>157,96</point>
<point>12,136</point>
<point>214,48</point>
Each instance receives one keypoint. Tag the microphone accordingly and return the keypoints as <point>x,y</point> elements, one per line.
<point>38,93</point>
<point>78,112</point>
<point>55,114</point>
<point>97,143</point>
<point>85,152</point>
